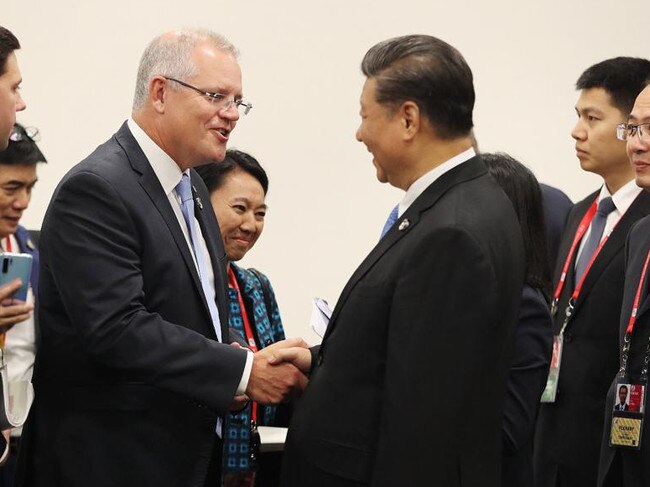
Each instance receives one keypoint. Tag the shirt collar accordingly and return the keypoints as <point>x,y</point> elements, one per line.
<point>423,182</point>
<point>624,197</point>
<point>166,170</point>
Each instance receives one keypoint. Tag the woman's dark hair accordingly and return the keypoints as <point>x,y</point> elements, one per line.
<point>521,187</point>
<point>214,174</point>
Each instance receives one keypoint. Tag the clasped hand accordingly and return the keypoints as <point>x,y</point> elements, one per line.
<point>279,371</point>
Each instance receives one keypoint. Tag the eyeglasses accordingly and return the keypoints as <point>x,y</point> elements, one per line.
<point>625,131</point>
<point>222,103</point>
<point>18,134</point>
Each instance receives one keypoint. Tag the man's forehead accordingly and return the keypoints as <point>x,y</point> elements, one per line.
<point>594,99</point>
<point>17,172</point>
<point>219,69</point>
<point>641,109</point>
<point>368,91</point>
<point>11,69</point>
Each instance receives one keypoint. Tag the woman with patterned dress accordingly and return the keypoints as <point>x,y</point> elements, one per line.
<point>238,188</point>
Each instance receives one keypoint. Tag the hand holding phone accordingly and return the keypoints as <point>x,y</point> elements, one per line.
<point>12,311</point>
<point>15,270</point>
<point>16,266</point>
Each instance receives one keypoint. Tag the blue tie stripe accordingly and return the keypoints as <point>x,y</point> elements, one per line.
<point>184,191</point>
<point>392,218</point>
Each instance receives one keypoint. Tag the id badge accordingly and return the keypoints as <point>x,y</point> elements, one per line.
<point>628,415</point>
<point>550,391</point>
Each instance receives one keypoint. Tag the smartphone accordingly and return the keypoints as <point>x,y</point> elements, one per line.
<point>16,266</point>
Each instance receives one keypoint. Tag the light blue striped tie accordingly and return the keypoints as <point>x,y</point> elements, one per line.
<point>184,191</point>
<point>392,218</point>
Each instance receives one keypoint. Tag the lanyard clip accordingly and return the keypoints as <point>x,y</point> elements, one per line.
<point>569,309</point>
<point>554,307</point>
<point>626,343</point>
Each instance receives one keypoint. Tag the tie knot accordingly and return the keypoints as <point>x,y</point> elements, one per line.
<point>606,206</point>
<point>184,188</point>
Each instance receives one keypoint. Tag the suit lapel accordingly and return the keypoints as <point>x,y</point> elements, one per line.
<point>151,185</point>
<point>638,209</point>
<point>567,239</point>
<point>635,265</point>
<point>406,223</point>
<point>205,216</point>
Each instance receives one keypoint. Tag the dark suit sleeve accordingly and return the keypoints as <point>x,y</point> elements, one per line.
<point>92,246</point>
<point>529,370</point>
<point>445,365</point>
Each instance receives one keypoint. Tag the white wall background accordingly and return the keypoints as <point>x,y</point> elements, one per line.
<point>300,61</point>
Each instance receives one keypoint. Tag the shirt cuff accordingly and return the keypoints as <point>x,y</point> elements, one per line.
<point>243,383</point>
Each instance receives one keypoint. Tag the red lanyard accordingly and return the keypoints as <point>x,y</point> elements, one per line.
<point>580,232</point>
<point>637,297</point>
<point>250,337</point>
<point>8,243</point>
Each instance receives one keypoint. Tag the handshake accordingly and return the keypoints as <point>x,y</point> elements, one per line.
<point>279,371</point>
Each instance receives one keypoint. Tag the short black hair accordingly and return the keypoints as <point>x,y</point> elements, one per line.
<point>8,44</point>
<point>429,72</point>
<point>522,188</point>
<point>214,174</point>
<point>623,78</point>
<point>23,152</point>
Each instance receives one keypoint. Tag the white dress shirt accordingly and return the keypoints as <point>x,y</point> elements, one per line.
<point>622,200</point>
<point>169,175</point>
<point>423,182</point>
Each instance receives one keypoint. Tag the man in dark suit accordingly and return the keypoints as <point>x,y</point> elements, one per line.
<point>620,466</point>
<point>431,306</point>
<point>589,277</point>
<point>134,371</point>
<point>622,399</point>
<point>17,180</point>
<point>557,206</point>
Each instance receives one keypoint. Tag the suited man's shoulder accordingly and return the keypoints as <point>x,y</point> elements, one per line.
<point>581,207</point>
<point>109,163</point>
<point>640,229</point>
<point>555,198</point>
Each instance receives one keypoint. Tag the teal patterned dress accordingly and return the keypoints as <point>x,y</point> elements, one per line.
<point>264,315</point>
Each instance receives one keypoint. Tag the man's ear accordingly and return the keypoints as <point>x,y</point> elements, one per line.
<point>411,119</point>
<point>158,93</point>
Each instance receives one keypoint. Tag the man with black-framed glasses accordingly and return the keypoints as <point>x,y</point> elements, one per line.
<point>135,370</point>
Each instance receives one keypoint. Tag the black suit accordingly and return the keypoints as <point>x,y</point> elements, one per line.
<point>526,381</point>
<point>409,383</point>
<point>630,468</point>
<point>557,206</point>
<point>569,431</point>
<point>129,378</point>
